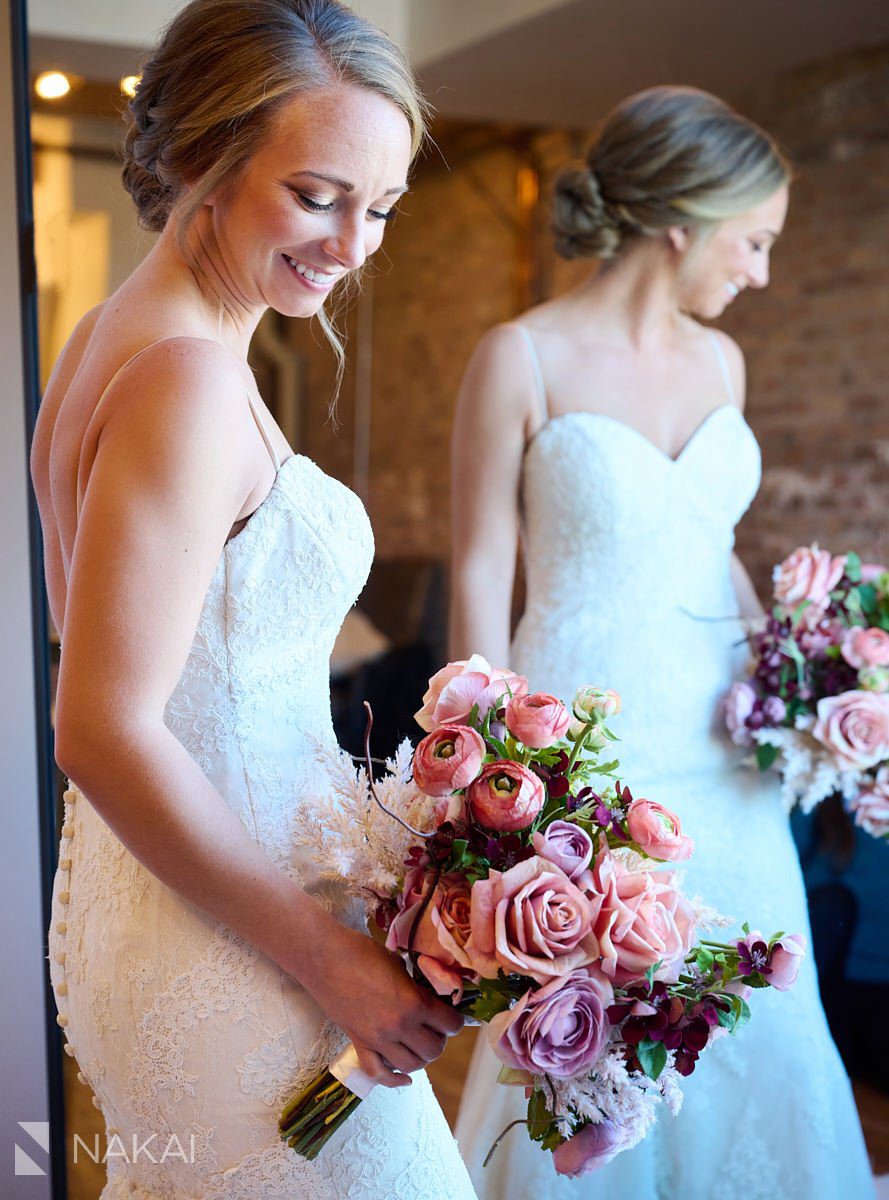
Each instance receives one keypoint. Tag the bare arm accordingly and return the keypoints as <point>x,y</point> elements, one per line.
<point>495,413</point>
<point>174,467</point>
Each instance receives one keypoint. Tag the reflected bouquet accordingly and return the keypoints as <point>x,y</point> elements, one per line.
<point>519,879</point>
<point>816,703</point>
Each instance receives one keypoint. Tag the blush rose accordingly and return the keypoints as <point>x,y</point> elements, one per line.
<point>854,726</point>
<point>865,647</point>
<point>456,689</point>
<point>437,932</point>
<point>808,574</point>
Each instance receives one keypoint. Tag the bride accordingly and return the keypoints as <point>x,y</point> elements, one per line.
<point>198,571</point>
<point>606,429</point>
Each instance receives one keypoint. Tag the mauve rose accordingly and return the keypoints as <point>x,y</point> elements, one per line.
<point>854,726</point>
<point>598,702</point>
<point>784,961</point>
<point>448,759</point>
<point>809,573</point>
<point>871,808</point>
<point>441,932</point>
<point>456,689</point>
<point>657,831</point>
<point>865,647</point>
<point>566,845</point>
<point>874,679</point>
<point>590,1148</point>
<point>506,796</point>
<point>738,706</point>
<point>641,918</point>
<point>531,920</point>
<point>537,721</point>
<point>561,1029</point>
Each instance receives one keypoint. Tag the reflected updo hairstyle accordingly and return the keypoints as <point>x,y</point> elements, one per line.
<point>664,157</point>
<point>221,70</point>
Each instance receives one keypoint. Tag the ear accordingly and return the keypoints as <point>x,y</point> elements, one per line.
<point>678,237</point>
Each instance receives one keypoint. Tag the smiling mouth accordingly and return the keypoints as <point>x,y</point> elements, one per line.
<point>310,275</point>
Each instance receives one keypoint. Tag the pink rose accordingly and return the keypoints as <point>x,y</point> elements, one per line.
<point>506,796</point>
<point>590,1148</point>
<point>448,759</point>
<point>560,1029</point>
<point>457,688</point>
<point>808,574</point>
<point>440,934</point>
<point>738,706</point>
<point>657,831</point>
<point>641,918</point>
<point>854,726</point>
<point>784,961</point>
<point>566,845</point>
<point>865,647</point>
<point>537,721</point>
<point>531,920</point>
<point>871,808</point>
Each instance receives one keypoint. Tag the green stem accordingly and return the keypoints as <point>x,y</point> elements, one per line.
<point>579,744</point>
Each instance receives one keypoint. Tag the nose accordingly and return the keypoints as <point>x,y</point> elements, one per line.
<point>348,244</point>
<point>758,275</point>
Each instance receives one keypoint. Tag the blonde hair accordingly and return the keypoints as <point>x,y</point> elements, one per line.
<point>664,157</point>
<point>219,74</point>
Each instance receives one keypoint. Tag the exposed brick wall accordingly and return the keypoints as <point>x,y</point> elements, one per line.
<point>466,255</point>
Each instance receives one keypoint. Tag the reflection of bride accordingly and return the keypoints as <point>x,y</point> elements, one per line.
<point>608,426</point>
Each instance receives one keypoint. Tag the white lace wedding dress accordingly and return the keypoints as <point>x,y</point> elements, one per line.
<point>183,1030</point>
<point>627,557</point>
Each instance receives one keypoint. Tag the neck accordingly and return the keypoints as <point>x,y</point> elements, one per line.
<point>196,274</point>
<point>637,294</point>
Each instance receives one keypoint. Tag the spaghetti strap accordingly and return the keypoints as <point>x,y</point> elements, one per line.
<point>264,433</point>
<point>537,370</point>
<point>723,365</point>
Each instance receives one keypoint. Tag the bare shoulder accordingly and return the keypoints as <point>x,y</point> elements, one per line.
<point>501,376</point>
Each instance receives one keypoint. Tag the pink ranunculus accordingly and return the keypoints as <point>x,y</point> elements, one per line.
<point>871,808</point>
<point>641,918</point>
<point>506,796</point>
<point>538,720</point>
<point>440,934</point>
<point>456,689</point>
<point>593,1146</point>
<point>865,647</point>
<point>808,574</point>
<point>657,831</point>
<point>566,845</point>
<point>448,759</point>
<point>738,706</point>
<point>560,1029</point>
<point>784,961</point>
<point>874,679</point>
<point>871,572</point>
<point>531,920</point>
<point>854,726</point>
<point>451,809</point>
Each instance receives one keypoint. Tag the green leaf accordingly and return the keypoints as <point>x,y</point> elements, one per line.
<point>853,566</point>
<point>765,755</point>
<point>540,1119</point>
<point>652,1056</point>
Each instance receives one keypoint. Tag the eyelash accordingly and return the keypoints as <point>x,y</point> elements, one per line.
<point>314,206</point>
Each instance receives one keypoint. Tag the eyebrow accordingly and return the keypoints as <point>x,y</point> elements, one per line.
<point>350,187</point>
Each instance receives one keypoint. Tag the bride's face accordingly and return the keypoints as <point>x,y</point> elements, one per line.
<point>314,200</point>
<point>733,257</point>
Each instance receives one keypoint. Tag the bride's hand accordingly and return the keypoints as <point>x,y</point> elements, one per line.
<point>395,1026</point>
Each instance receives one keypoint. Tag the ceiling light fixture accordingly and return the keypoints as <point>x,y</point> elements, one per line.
<point>129,83</point>
<point>52,85</point>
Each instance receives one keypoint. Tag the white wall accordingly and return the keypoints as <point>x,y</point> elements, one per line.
<point>439,27</point>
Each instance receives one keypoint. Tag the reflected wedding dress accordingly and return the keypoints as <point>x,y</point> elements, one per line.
<point>627,558</point>
<point>181,1028</point>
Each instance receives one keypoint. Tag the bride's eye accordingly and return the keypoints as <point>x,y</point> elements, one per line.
<point>313,205</point>
<point>379,214</point>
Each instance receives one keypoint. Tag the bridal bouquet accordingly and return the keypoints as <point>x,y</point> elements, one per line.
<point>523,883</point>
<point>816,704</point>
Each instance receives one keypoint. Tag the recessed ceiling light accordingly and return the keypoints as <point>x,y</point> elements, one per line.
<point>52,85</point>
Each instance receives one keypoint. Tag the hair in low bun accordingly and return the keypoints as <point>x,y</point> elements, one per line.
<point>664,157</point>
<point>582,225</point>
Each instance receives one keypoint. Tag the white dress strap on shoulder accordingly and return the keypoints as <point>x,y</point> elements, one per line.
<point>264,433</point>
<point>723,364</point>
<point>537,372</point>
